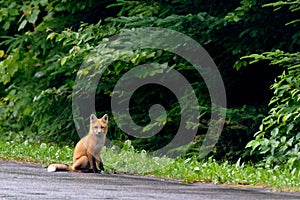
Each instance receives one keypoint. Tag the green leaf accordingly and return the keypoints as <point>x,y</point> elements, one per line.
<point>33,17</point>
<point>63,60</point>
<point>275,132</point>
<point>283,139</point>
<point>22,25</point>
<point>2,53</point>
<point>254,144</point>
<point>43,2</point>
<point>51,36</point>
<point>6,25</point>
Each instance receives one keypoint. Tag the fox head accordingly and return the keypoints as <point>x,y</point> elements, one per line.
<point>98,126</point>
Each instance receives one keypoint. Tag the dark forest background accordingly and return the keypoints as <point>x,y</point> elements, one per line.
<point>255,45</point>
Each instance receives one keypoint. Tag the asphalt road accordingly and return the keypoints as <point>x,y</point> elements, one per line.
<point>24,181</point>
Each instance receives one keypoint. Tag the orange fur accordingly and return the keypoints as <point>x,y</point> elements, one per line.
<point>87,150</point>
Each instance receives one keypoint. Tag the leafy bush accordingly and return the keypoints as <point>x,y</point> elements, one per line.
<point>279,133</point>
<point>240,125</point>
<point>278,136</point>
<point>36,100</point>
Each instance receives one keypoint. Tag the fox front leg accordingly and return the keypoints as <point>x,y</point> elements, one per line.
<point>100,164</point>
<point>94,166</point>
<point>92,162</point>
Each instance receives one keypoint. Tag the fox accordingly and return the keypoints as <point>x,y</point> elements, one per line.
<point>87,150</point>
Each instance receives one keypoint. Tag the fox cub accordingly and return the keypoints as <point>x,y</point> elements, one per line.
<point>87,150</point>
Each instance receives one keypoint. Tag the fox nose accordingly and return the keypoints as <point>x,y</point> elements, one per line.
<point>97,132</point>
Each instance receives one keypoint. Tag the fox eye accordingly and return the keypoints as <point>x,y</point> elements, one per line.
<point>96,127</point>
<point>102,127</point>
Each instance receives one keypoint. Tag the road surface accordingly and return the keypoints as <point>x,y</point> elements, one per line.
<point>25,181</point>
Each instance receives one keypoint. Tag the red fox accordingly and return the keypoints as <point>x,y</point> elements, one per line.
<point>87,150</point>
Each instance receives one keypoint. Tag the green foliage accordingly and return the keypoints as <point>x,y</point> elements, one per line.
<point>278,137</point>
<point>43,46</point>
<point>240,124</point>
<point>279,133</point>
<point>128,160</point>
<point>41,14</point>
<point>238,173</point>
<point>27,104</point>
<point>38,80</point>
<point>39,153</point>
<point>293,6</point>
<point>239,127</point>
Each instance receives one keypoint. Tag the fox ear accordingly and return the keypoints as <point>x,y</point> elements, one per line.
<point>93,118</point>
<point>105,118</point>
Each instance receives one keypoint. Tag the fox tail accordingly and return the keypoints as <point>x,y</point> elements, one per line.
<point>59,167</point>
